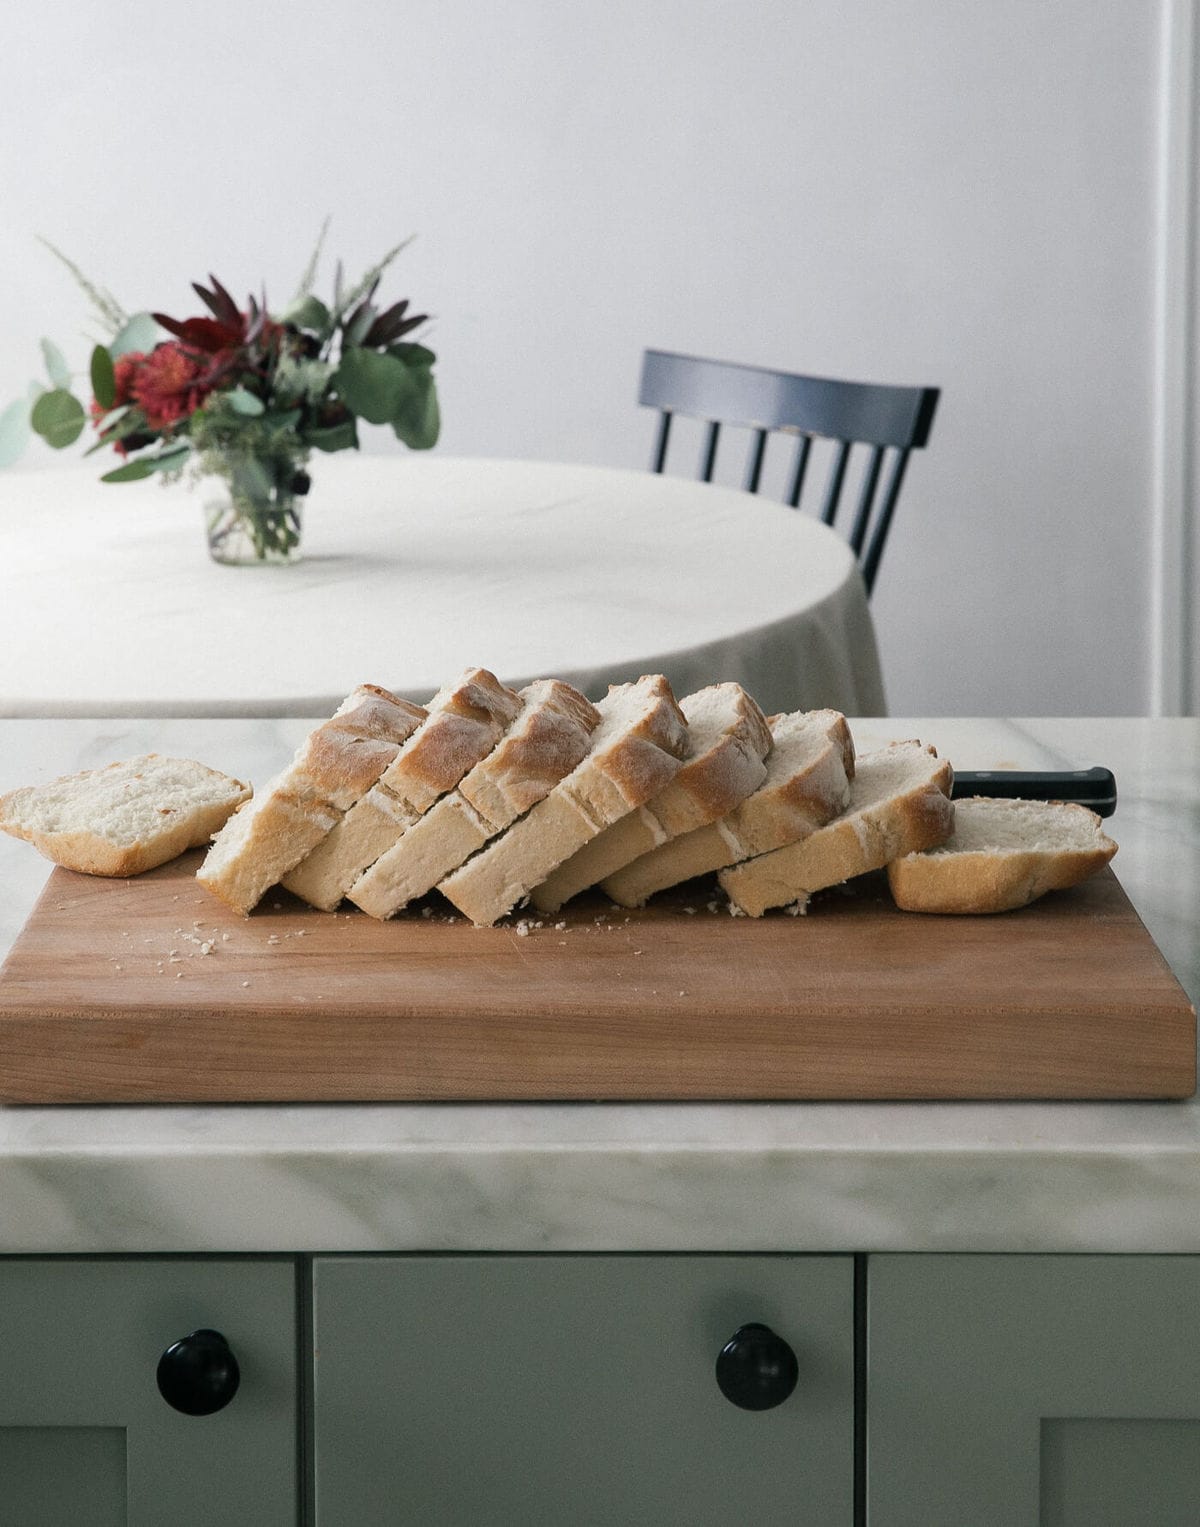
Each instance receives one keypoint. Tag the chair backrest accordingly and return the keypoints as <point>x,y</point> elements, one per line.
<point>885,418</point>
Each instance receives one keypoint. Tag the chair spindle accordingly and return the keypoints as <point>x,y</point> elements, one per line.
<point>837,476</point>
<point>710,451</point>
<point>803,446</point>
<point>866,499</point>
<point>660,447</point>
<point>755,464</point>
<point>891,493</point>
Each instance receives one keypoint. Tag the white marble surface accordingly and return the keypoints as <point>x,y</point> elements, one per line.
<point>414,565</point>
<point>809,1177</point>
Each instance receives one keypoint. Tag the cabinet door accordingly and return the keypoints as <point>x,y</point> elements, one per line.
<point>1009,1390</point>
<point>85,1436</point>
<point>577,1390</point>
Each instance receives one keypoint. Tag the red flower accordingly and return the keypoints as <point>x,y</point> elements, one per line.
<point>167,385</point>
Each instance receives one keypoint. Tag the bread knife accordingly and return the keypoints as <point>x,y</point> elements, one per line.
<point>1094,788</point>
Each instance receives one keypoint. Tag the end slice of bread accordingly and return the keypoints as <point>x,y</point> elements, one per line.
<point>899,803</point>
<point>1002,854</point>
<point>288,817</point>
<point>464,721</point>
<point>635,752</point>
<point>728,739</point>
<point>808,774</point>
<point>550,736</point>
<point>126,818</point>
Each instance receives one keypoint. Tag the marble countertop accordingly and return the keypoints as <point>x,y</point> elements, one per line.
<point>1102,1177</point>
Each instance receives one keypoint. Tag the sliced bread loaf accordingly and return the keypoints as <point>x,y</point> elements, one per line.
<point>465,720</point>
<point>550,736</point>
<point>899,803</point>
<point>1002,854</point>
<point>728,738</point>
<point>331,769</point>
<point>635,751</point>
<point>808,773</point>
<point>125,818</point>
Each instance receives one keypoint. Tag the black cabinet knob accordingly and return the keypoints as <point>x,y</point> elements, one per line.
<point>756,1369</point>
<point>198,1374</point>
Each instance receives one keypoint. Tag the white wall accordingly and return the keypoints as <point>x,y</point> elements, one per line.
<point>927,191</point>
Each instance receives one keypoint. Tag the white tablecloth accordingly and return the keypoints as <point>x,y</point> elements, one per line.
<point>415,567</point>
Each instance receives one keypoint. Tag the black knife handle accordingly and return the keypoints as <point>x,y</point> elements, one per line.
<point>1094,788</point>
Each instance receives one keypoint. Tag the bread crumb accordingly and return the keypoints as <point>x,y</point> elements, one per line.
<point>560,927</point>
<point>797,908</point>
<point>273,938</point>
<point>735,910</point>
<point>179,975</point>
<point>118,967</point>
<point>691,911</point>
<point>278,906</point>
<point>426,911</point>
<point>224,938</point>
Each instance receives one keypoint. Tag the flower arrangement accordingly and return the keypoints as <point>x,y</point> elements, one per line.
<point>241,394</point>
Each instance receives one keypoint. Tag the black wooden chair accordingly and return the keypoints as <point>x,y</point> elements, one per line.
<point>722,393</point>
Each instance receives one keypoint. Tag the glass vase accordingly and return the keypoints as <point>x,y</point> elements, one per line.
<point>254,520</point>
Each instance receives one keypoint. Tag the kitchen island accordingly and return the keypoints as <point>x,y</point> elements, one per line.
<point>1100,1177</point>
<point>610,1314</point>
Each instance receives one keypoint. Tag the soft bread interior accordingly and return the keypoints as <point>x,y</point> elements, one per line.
<point>990,826</point>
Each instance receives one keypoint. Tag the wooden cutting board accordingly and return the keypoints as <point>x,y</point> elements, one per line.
<point>148,990</point>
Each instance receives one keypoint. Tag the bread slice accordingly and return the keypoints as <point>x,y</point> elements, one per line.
<point>635,752</point>
<point>125,818</point>
<point>728,738</point>
<point>1002,854</point>
<point>550,736</point>
<point>465,721</point>
<point>808,774</point>
<point>899,803</point>
<point>288,817</point>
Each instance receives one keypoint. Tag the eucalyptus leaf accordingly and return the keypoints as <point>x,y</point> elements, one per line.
<point>334,437</point>
<point>132,471</point>
<point>357,330</point>
<point>104,378</point>
<point>138,334</point>
<point>377,387</point>
<point>56,364</point>
<point>14,431</point>
<point>58,417</point>
<point>167,461</point>
<point>417,357</point>
<point>245,403</point>
<point>114,416</point>
<point>310,313</point>
<point>420,425</point>
<point>282,421</point>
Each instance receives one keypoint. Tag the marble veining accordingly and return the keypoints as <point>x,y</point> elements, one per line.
<point>1121,1177</point>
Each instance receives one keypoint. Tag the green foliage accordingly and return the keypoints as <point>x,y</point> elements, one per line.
<point>58,417</point>
<point>309,313</point>
<point>136,335</point>
<point>245,403</point>
<point>104,302</point>
<point>376,387</point>
<point>14,432</point>
<point>334,437</point>
<point>56,365</point>
<point>104,380</point>
<point>272,388</point>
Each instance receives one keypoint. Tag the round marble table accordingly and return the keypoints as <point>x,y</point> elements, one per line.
<point>415,567</point>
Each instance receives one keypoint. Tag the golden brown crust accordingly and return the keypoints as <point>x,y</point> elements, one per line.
<point>982,881</point>
<point>548,740</point>
<point>866,839</point>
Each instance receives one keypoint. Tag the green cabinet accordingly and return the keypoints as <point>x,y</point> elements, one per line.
<point>447,1389</point>
<point>86,1437</point>
<point>550,1390</point>
<point>1004,1391</point>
